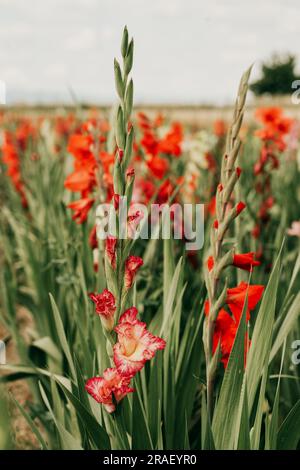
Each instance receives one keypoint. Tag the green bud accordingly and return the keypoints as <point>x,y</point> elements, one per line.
<point>118,79</point>
<point>120,129</point>
<point>129,100</point>
<point>129,189</point>
<point>129,58</point>
<point>118,185</point>
<point>124,44</point>
<point>128,147</point>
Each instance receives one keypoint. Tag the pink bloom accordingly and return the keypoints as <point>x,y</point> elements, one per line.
<point>132,264</point>
<point>135,345</point>
<point>294,230</point>
<point>105,308</point>
<point>109,388</point>
<point>110,249</point>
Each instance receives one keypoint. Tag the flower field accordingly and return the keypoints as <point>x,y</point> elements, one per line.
<point>130,342</point>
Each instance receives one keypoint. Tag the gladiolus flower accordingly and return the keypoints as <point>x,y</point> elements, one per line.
<point>110,249</point>
<point>226,326</point>
<point>236,298</point>
<point>80,180</point>
<point>245,261</point>
<point>158,166</point>
<point>132,264</point>
<point>225,332</point>
<point>110,388</point>
<point>81,209</point>
<point>105,308</point>
<point>135,345</point>
<point>219,128</point>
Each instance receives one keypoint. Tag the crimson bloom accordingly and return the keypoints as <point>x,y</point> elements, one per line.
<point>135,345</point>
<point>81,209</point>
<point>132,264</point>
<point>110,388</point>
<point>105,308</point>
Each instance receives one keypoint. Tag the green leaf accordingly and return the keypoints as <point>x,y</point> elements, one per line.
<point>255,433</point>
<point>262,334</point>
<point>275,411</point>
<point>242,430</point>
<point>62,336</point>
<point>226,411</point>
<point>68,441</point>
<point>289,432</point>
<point>141,437</point>
<point>286,326</point>
<point>96,433</point>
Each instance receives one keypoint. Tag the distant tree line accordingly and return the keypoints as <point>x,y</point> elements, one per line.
<point>277,76</point>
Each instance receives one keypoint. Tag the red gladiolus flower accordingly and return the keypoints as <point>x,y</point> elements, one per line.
<point>236,298</point>
<point>225,332</point>
<point>220,128</point>
<point>158,166</point>
<point>171,143</point>
<point>135,345</point>
<point>110,388</point>
<point>110,249</point>
<point>132,264</point>
<point>105,308</point>
<point>81,209</point>
<point>211,206</point>
<point>245,261</point>
<point>80,180</point>
<point>226,326</point>
<point>11,158</point>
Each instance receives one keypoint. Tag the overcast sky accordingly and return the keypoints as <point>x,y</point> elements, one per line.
<point>186,50</point>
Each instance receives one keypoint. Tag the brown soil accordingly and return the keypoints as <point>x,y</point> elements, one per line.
<point>22,436</point>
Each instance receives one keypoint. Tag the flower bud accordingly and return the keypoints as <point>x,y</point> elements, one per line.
<point>105,308</point>
<point>129,58</point>
<point>124,44</point>
<point>118,79</point>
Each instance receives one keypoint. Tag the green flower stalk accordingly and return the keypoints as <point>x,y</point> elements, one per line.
<point>221,257</point>
<point>119,266</point>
